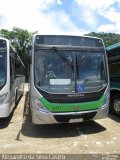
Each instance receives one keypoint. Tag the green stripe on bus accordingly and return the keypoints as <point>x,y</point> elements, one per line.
<point>72,107</point>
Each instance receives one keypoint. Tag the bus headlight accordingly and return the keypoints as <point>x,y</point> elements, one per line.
<point>105,102</point>
<point>2,98</point>
<point>40,105</point>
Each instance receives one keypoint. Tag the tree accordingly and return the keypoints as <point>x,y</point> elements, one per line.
<point>20,39</point>
<point>108,38</point>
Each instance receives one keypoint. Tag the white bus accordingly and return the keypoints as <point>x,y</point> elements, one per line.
<point>69,79</point>
<point>11,78</point>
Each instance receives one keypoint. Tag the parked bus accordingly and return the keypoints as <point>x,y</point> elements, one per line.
<point>69,79</point>
<point>11,78</point>
<point>113,53</point>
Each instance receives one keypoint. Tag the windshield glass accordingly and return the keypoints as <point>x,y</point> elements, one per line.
<point>2,68</point>
<point>69,71</point>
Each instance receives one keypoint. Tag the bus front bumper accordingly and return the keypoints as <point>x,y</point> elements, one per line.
<point>39,117</point>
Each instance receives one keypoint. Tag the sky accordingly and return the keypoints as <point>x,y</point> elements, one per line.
<point>76,17</point>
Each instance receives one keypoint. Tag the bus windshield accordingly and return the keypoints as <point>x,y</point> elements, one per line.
<point>69,71</point>
<point>2,68</point>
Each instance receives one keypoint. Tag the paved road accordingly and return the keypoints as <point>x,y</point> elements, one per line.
<point>19,135</point>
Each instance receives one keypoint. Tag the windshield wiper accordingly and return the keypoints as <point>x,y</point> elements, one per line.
<point>62,56</point>
<point>84,58</point>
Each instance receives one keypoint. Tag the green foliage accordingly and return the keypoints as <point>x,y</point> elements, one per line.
<point>108,38</point>
<point>20,39</point>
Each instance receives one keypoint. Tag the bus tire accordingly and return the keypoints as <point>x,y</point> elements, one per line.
<point>115,104</point>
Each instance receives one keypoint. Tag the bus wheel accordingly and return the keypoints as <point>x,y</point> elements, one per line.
<point>115,105</point>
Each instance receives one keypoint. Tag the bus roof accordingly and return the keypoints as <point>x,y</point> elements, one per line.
<point>113,47</point>
<point>2,38</point>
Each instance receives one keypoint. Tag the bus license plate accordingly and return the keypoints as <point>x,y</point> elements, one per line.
<point>76,120</point>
